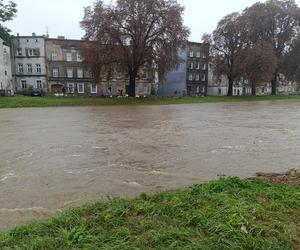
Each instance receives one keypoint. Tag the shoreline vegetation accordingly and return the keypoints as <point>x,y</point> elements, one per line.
<point>229,213</point>
<point>49,101</point>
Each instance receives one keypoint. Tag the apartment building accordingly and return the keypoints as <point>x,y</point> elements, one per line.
<point>6,84</point>
<point>218,85</point>
<point>66,72</point>
<point>29,63</point>
<point>191,77</point>
<point>65,68</point>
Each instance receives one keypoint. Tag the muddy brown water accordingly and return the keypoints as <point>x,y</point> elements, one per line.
<point>55,158</point>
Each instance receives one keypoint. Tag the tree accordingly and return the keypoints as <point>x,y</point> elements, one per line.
<point>291,63</point>
<point>138,33</point>
<point>276,22</point>
<point>7,13</point>
<point>226,44</point>
<point>257,64</point>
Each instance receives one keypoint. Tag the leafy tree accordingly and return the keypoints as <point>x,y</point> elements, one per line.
<point>257,64</point>
<point>137,33</point>
<point>7,13</point>
<point>276,22</point>
<point>226,45</point>
<point>291,63</point>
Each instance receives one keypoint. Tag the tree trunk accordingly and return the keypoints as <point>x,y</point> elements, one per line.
<point>274,84</point>
<point>253,89</point>
<point>132,78</point>
<point>230,87</point>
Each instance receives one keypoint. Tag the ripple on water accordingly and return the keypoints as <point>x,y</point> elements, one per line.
<point>7,176</point>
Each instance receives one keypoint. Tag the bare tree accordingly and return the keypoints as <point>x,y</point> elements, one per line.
<point>226,44</point>
<point>137,33</point>
<point>257,64</point>
<point>276,22</point>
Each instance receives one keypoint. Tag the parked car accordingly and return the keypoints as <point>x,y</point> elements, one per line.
<point>33,92</point>
<point>36,92</point>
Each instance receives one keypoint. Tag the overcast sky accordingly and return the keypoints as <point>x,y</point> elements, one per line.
<point>62,17</point>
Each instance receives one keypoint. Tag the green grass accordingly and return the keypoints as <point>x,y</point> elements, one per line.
<point>225,214</point>
<point>20,101</point>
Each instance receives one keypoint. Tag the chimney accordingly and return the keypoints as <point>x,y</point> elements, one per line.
<point>18,34</point>
<point>61,37</point>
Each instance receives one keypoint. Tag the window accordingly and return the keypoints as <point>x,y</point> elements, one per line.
<point>203,66</point>
<point>20,68</point>
<point>69,56</point>
<point>203,78</point>
<point>191,77</point>
<point>118,75</point>
<point>198,66</point>
<point>79,73</point>
<point>70,88</point>
<point>19,52</point>
<point>39,84</point>
<point>197,77</point>
<point>79,57</point>
<point>31,52</point>
<point>54,56</point>
<point>29,68</point>
<point>23,84</point>
<point>191,54</point>
<point>80,88</point>
<point>55,72</point>
<point>146,89</point>
<point>5,51</point>
<point>94,88</point>
<point>145,75</point>
<point>191,65</point>
<point>198,54</point>
<point>69,72</point>
<point>5,72</point>
<point>38,68</point>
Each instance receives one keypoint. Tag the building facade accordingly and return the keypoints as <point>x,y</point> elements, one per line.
<point>65,69</point>
<point>67,74</point>
<point>6,84</point>
<point>29,63</point>
<point>218,86</point>
<point>191,77</point>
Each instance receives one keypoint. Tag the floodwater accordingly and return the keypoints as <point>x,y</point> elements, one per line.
<point>55,158</point>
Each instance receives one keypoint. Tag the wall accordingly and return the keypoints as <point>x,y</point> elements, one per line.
<point>5,69</point>
<point>175,81</point>
<point>24,43</point>
<point>61,47</point>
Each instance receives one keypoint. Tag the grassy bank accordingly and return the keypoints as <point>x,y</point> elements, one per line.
<point>225,214</point>
<point>20,101</point>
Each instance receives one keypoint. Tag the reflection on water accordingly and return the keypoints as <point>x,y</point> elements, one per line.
<point>54,158</point>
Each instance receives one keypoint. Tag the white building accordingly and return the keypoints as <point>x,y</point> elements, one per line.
<point>6,86</point>
<point>218,85</point>
<point>29,63</point>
